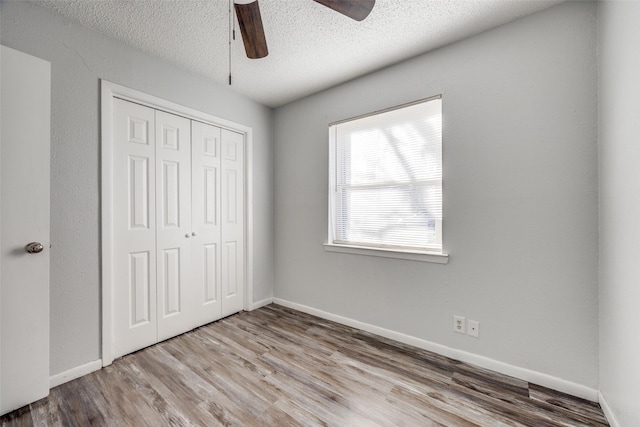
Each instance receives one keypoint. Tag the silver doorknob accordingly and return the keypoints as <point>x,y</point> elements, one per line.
<point>193,234</point>
<point>187,235</point>
<point>34,247</point>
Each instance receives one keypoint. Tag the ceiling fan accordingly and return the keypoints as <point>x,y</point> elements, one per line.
<point>255,42</point>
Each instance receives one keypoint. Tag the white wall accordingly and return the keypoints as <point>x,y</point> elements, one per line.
<point>79,58</point>
<point>619,111</point>
<point>520,198</point>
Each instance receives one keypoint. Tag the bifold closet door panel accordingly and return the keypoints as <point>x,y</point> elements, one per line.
<point>134,228</point>
<point>233,221</point>
<point>205,217</point>
<point>175,294</point>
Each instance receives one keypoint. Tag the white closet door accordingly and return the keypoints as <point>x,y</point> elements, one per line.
<point>205,215</point>
<point>232,245</point>
<point>134,230</point>
<point>178,225</point>
<point>173,235</point>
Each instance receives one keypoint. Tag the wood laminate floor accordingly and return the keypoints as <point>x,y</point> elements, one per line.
<point>279,367</point>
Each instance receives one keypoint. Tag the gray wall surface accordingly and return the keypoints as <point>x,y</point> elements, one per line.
<point>619,35</point>
<point>79,58</point>
<point>520,198</point>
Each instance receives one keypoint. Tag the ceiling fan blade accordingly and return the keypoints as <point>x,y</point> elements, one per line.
<point>354,9</point>
<point>248,13</point>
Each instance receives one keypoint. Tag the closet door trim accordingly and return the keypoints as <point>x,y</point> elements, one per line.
<point>109,92</point>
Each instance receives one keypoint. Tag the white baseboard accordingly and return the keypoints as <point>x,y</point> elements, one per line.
<point>262,303</point>
<point>539,378</point>
<point>608,413</point>
<point>72,374</point>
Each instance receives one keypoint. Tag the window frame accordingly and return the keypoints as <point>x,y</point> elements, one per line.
<point>428,254</point>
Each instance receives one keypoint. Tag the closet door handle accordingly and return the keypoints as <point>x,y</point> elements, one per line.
<point>193,234</point>
<point>187,235</point>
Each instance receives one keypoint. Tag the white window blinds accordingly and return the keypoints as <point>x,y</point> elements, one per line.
<point>386,179</point>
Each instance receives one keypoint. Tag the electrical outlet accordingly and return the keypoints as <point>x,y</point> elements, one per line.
<point>473,328</point>
<point>459,324</point>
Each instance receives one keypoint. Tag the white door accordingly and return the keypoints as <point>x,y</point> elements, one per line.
<point>152,227</point>
<point>134,228</point>
<point>205,216</point>
<point>232,192</point>
<point>173,229</point>
<point>178,225</point>
<point>25,93</point>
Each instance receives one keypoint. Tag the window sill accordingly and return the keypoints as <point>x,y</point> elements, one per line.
<point>438,258</point>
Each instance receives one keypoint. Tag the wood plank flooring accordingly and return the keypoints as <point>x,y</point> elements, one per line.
<point>279,367</point>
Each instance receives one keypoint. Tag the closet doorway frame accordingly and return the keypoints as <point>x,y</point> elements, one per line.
<point>110,91</point>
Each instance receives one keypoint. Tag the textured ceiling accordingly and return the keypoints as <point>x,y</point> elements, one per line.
<point>310,46</point>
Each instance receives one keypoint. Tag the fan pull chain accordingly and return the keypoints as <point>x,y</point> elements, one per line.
<point>233,26</point>
<point>234,37</point>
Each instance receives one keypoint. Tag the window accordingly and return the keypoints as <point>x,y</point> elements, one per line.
<point>386,179</point>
